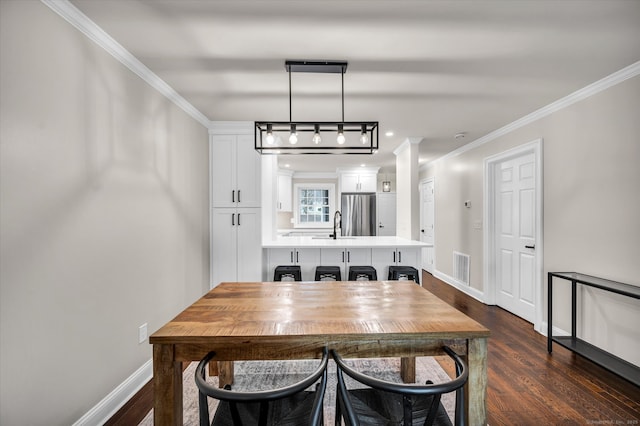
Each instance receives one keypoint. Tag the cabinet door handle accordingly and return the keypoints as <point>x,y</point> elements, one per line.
<point>399,253</point>
<point>297,256</point>
<point>394,256</point>
<point>349,256</point>
<point>530,247</point>
<point>233,196</point>
<point>291,253</point>
<point>238,195</point>
<point>238,219</point>
<point>233,219</point>
<point>342,257</point>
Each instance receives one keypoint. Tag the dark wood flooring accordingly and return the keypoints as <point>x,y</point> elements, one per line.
<point>527,386</point>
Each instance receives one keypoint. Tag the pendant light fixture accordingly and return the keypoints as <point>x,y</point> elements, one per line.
<point>269,135</point>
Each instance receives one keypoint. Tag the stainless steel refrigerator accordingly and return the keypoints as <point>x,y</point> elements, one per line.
<point>358,214</point>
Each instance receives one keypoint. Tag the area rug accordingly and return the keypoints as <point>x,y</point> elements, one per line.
<point>258,375</point>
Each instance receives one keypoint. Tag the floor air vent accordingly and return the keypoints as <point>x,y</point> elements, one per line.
<point>461,267</point>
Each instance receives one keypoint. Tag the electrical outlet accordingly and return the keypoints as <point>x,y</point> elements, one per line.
<point>142,333</point>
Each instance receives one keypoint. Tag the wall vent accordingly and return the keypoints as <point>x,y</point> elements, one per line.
<point>461,267</point>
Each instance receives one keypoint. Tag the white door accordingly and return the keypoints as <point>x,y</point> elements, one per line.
<point>223,246</point>
<point>248,172</point>
<point>427,228</point>
<point>249,246</point>
<point>386,213</point>
<point>515,221</point>
<point>223,174</point>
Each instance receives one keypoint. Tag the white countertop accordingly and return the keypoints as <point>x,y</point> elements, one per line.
<point>282,242</point>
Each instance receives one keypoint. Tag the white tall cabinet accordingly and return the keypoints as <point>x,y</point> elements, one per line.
<point>236,250</point>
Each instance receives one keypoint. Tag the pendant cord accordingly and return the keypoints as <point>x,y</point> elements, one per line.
<point>342,76</point>
<point>289,94</point>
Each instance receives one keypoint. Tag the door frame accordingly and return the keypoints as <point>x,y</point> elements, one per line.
<point>490,237</point>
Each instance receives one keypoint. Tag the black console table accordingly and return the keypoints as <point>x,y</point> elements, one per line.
<point>609,361</point>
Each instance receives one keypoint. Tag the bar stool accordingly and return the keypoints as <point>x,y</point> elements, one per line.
<point>328,273</point>
<point>403,273</point>
<point>287,273</point>
<point>362,273</point>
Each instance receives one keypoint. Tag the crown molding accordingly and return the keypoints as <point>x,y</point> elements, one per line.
<point>314,175</point>
<point>231,128</point>
<point>407,142</point>
<point>373,169</point>
<point>607,82</point>
<point>96,34</point>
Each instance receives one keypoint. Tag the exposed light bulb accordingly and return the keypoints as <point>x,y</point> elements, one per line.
<point>270,138</point>
<point>316,136</point>
<point>363,135</point>
<point>340,139</point>
<point>293,137</point>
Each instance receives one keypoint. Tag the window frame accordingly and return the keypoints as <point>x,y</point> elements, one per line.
<point>297,187</point>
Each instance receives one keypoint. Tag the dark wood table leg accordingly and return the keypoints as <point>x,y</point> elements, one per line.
<point>408,369</point>
<point>476,389</point>
<point>225,373</point>
<point>167,387</point>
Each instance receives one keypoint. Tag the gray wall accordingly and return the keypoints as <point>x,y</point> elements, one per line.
<point>591,207</point>
<point>103,217</point>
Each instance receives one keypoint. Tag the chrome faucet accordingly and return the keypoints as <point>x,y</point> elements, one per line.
<point>335,217</point>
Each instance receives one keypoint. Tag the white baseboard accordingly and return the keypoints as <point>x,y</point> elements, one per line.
<point>106,408</point>
<point>556,331</point>
<point>475,293</point>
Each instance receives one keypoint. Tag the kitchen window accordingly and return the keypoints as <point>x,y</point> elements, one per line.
<point>314,205</point>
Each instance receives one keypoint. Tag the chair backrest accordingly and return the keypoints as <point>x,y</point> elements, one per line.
<point>404,389</point>
<point>263,397</point>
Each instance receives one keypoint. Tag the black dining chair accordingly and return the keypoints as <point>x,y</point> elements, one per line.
<point>384,403</point>
<point>292,404</point>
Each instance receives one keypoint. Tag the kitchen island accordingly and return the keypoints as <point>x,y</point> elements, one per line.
<point>310,252</point>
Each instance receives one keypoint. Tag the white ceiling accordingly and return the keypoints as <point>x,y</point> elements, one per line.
<point>423,69</point>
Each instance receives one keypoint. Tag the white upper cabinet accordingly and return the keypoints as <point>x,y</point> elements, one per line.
<point>235,171</point>
<point>358,181</point>
<point>284,201</point>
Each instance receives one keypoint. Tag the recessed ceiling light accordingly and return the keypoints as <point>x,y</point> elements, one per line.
<point>460,135</point>
<point>287,165</point>
<point>362,165</point>
<point>389,133</point>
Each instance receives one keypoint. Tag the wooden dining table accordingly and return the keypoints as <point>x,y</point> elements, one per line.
<point>296,320</point>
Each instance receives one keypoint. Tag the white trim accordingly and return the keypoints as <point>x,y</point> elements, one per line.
<point>315,175</point>
<point>535,147</point>
<point>579,95</point>
<point>475,293</point>
<point>556,330</point>
<point>111,403</point>
<point>96,34</point>
<point>231,128</point>
<point>407,142</point>
<point>358,170</point>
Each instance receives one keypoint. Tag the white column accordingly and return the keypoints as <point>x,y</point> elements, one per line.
<point>407,189</point>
